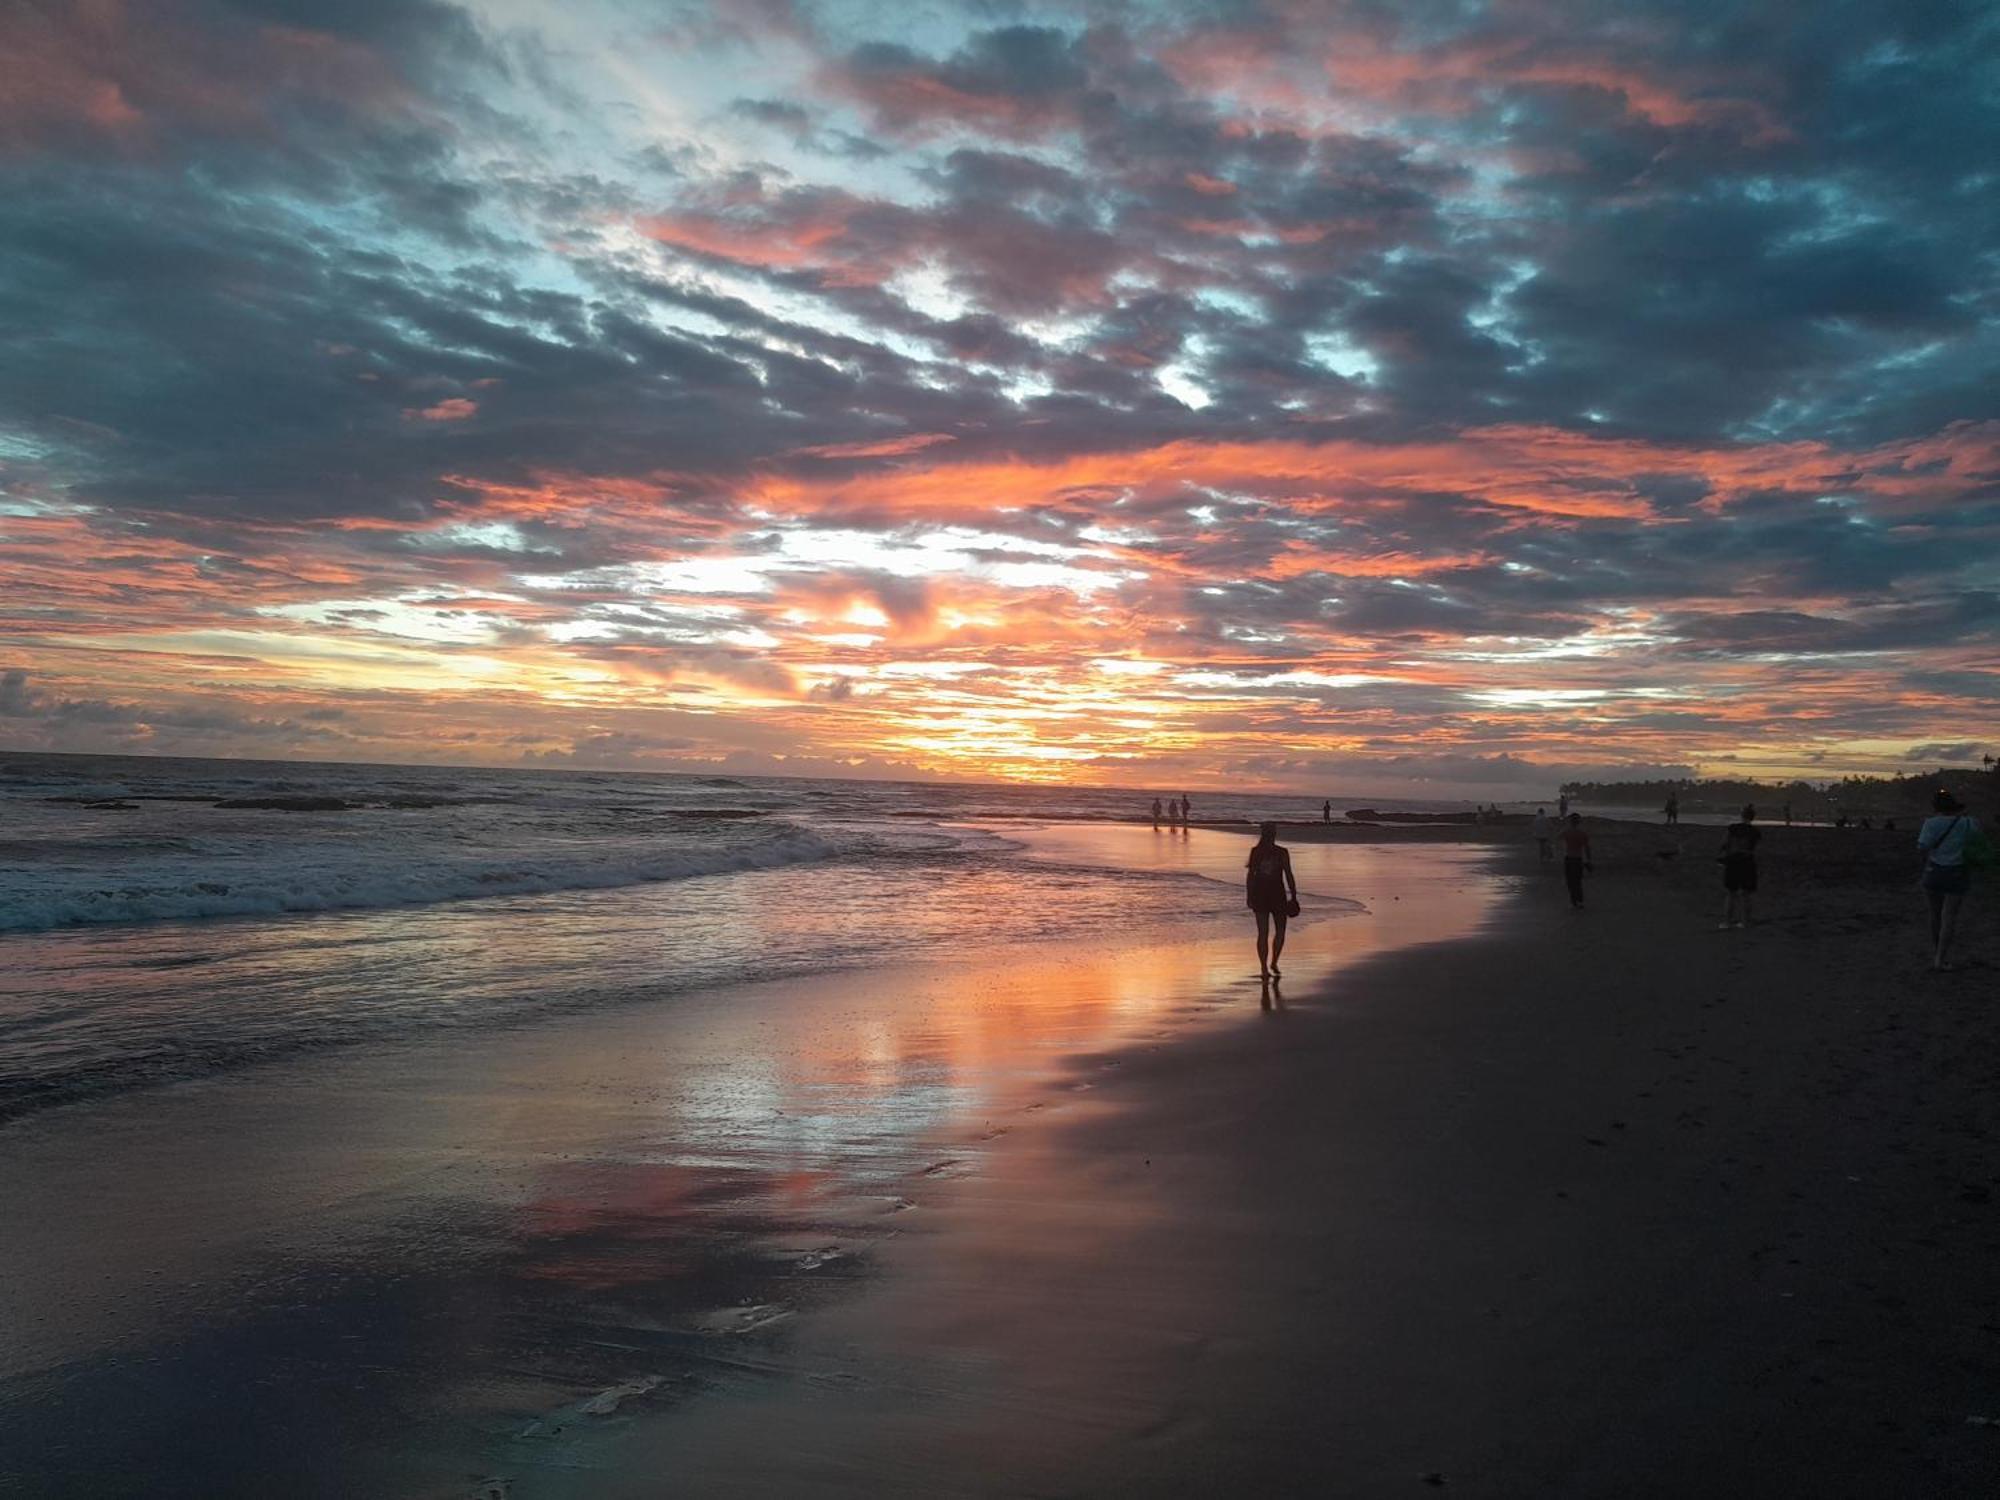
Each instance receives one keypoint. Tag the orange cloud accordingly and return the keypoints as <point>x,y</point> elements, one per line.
<point>1544,470</point>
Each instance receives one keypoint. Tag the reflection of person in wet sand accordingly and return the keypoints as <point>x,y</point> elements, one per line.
<point>1272,892</point>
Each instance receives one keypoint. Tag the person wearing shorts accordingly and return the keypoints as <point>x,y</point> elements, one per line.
<point>1947,877</point>
<point>1739,870</point>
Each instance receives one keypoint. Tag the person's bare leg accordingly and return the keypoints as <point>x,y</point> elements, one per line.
<point>1277,940</point>
<point>1937,919</point>
<point>1264,943</point>
<point>1747,896</point>
<point>1947,924</point>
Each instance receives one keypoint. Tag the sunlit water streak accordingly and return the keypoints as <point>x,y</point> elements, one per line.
<point>169,936</point>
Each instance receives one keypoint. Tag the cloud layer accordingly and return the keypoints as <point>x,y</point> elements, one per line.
<point>1263,390</point>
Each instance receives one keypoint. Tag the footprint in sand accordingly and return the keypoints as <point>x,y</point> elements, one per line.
<point>603,1404</point>
<point>740,1320</point>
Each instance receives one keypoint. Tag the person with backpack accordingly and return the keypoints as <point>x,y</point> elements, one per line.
<point>1739,870</point>
<point>1951,843</point>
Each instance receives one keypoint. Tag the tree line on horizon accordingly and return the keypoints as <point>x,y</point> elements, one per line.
<point>1858,793</point>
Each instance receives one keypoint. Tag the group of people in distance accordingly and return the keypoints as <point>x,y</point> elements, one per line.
<point>1950,841</point>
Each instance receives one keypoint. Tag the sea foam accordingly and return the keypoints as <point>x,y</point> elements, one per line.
<point>35,899</point>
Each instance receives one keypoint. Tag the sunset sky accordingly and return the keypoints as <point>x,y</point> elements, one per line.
<point>1289,393</point>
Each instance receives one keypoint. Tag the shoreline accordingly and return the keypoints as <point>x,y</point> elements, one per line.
<point>501,1228</point>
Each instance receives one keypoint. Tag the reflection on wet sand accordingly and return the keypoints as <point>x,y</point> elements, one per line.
<point>480,1253</point>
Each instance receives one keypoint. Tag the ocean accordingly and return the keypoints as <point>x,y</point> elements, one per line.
<point>166,919</point>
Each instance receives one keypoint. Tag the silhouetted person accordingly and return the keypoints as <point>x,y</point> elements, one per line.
<point>1272,892</point>
<point>1576,858</point>
<point>1562,805</point>
<point>1739,869</point>
<point>1788,815</point>
<point>1544,832</point>
<point>1185,805</point>
<point>1947,877</point>
<point>1326,812</point>
<point>1673,808</point>
<point>1156,812</point>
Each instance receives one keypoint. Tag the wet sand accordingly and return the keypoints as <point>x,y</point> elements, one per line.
<point>1607,1203</point>
<point>496,1258</point>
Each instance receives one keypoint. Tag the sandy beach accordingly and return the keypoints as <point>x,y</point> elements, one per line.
<point>1598,1203</point>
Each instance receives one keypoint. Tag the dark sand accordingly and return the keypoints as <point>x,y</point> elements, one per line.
<point>1592,1204</point>
<point>1602,1204</point>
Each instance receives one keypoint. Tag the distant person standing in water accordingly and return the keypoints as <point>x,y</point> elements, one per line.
<point>1272,893</point>
<point>1739,869</point>
<point>1185,807</point>
<point>1562,805</point>
<point>1673,809</point>
<point>1156,812</point>
<point>1544,831</point>
<point>1944,839</point>
<point>1576,858</point>
<point>1326,812</point>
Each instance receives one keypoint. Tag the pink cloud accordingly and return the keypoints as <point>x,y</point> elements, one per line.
<point>123,73</point>
<point>1289,74</point>
<point>451,409</point>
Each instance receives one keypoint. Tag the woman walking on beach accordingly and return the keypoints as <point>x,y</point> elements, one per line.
<point>1944,838</point>
<point>1272,892</point>
<point>1739,870</point>
<point>1576,858</point>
